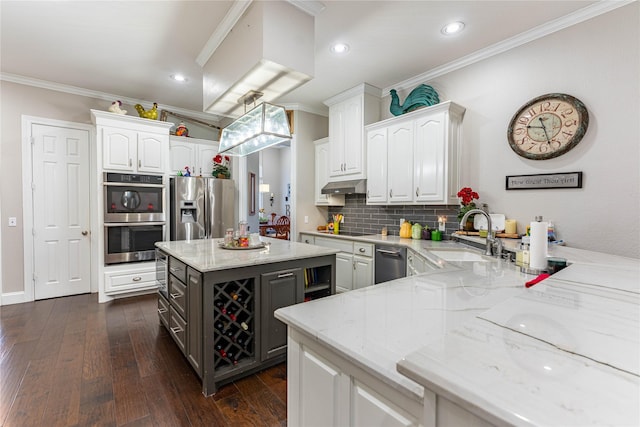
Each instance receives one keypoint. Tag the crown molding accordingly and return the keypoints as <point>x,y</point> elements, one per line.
<point>311,7</point>
<point>74,90</point>
<point>591,11</point>
<point>226,25</point>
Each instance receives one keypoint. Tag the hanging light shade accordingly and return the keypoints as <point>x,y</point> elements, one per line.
<point>264,126</point>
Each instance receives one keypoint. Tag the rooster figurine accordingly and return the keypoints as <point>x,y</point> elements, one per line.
<point>148,114</point>
<point>421,96</point>
<point>115,108</point>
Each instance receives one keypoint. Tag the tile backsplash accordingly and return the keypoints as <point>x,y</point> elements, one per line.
<point>362,218</point>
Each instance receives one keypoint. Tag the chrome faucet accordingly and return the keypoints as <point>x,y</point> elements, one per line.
<point>492,241</point>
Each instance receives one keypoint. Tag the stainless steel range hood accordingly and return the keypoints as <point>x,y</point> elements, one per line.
<point>356,186</point>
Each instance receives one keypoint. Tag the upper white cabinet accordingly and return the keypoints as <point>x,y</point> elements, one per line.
<point>131,144</point>
<point>198,154</point>
<point>322,175</point>
<point>349,112</point>
<point>414,158</point>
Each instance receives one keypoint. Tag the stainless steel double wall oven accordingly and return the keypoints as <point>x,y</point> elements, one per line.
<point>134,216</point>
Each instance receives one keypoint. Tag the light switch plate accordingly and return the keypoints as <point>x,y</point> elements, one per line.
<point>13,221</point>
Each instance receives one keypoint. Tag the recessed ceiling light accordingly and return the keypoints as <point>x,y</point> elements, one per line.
<point>178,77</point>
<point>340,48</point>
<point>452,28</point>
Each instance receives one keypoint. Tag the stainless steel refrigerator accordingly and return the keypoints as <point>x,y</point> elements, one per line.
<point>200,207</point>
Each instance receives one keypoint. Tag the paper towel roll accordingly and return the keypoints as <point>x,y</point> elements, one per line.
<point>538,245</point>
<point>510,226</point>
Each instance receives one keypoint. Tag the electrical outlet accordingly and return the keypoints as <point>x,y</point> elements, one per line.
<point>306,219</point>
<point>13,221</point>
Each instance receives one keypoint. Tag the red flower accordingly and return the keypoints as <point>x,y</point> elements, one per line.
<point>467,195</point>
<point>217,159</point>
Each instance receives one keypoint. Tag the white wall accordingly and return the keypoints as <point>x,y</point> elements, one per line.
<point>596,61</point>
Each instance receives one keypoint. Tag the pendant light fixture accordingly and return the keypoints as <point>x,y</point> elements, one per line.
<point>263,126</point>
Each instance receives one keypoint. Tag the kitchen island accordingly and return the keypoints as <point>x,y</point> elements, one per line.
<point>218,303</point>
<point>468,344</point>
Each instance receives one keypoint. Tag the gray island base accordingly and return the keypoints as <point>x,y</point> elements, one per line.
<point>218,304</point>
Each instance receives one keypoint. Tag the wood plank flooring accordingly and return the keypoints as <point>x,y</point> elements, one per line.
<point>73,362</point>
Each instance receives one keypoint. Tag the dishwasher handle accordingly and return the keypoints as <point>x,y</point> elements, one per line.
<point>391,253</point>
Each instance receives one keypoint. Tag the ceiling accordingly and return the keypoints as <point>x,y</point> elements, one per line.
<point>128,49</point>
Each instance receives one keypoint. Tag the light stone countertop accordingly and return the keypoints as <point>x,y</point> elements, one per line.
<point>563,352</point>
<point>207,255</point>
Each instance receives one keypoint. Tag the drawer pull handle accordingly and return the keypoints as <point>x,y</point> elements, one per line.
<point>362,250</point>
<point>417,191</point>
<point>162,310</point>
<point>176,296</point>
<point>176,330</point>
<point>137,279</point>
<point>283,275</point>
<point>174,269</point>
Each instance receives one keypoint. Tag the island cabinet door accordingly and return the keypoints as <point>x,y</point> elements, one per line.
<point>277,289</point>
<point>194,319</point>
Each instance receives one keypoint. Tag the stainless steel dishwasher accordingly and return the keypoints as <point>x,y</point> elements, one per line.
<point>391,263</point>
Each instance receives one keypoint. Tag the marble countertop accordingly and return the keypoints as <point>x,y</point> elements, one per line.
<point>207,255</point>
<point>563,352</point>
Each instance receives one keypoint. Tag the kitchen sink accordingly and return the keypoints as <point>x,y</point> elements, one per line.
<point>460,255</point>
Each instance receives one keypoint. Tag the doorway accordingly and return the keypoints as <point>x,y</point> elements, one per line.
<point>56,208</point>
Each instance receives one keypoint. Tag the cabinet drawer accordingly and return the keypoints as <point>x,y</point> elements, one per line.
<point>127,281</point>
<point>363,249</point>
<point>163,311</point>
<point>178,329</point>
<point>178,295</point>
<point>333,243</point>
<point>307,238</point>
<point>178,269</point>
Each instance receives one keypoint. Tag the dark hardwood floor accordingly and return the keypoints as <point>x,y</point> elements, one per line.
<point>73,362</point>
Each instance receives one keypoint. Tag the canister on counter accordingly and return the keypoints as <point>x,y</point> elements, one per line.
<point>436,235</point>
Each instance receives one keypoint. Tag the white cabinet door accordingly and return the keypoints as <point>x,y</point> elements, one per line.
<point>352,139</point>
<point>429,158</point>
<point>377,166</point>
<point>336,140</point>
<point>344,271</point>
<point>400,154</point>
<point>321,175</point>
<point>204,162</point>
<point>150,151</point>
<point>119,149</point>
<point>371,409</point>
<point>182,154</point>
<point>362,272</point>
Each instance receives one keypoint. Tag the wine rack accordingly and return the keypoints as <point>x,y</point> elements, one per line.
<point>234,323</point>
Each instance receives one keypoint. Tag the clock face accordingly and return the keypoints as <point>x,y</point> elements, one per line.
<point>548,126</point>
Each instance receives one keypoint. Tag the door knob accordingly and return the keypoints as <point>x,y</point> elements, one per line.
<point>85,232</point>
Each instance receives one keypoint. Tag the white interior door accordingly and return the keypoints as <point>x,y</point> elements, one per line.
<point>61,211</point>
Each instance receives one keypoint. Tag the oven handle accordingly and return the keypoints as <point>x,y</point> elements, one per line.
<point>129,184</point>
<point>131,224</point>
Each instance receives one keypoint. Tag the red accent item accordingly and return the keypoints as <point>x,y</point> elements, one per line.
<point>540,278</point>
<point>113,205</point>
<point>150,206</point>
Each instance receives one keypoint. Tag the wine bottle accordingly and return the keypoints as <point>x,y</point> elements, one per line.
<point>220,305</point>
<point>220,349</point>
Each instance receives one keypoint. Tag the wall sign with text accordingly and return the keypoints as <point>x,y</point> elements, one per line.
<point>545,180</point>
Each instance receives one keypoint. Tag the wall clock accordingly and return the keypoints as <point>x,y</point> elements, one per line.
<point>548,126</point>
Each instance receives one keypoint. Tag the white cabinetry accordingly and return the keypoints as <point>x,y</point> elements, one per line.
<point>349,112</point>
<point>198,154</point>
<point>421,151</point>
<point>130,277</point>
<point>131,144</point>
<point>322,175</point>
<point>354,262</point>
<point>326,390</point>
<point>416,264</point>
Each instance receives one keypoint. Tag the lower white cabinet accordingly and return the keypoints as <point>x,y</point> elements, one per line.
<point>323,389</point>
<point>134,277</point>
<point>354,262</point>
<point>416,264</point>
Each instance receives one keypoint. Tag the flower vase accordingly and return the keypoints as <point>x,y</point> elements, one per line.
<point>468,226</point>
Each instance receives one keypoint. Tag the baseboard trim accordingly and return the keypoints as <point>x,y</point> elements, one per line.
<point>13,298</point>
